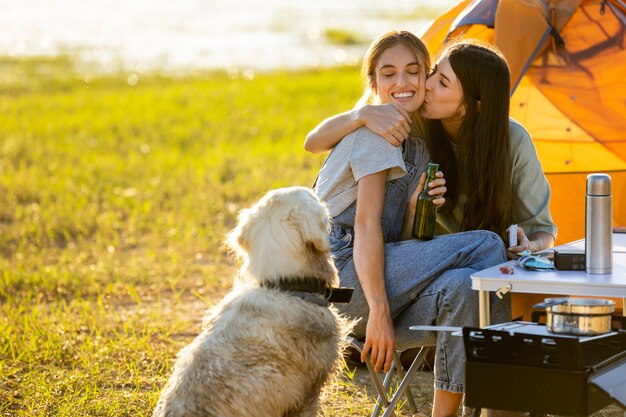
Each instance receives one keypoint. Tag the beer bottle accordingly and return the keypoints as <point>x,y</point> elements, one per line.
<point>426,211</point>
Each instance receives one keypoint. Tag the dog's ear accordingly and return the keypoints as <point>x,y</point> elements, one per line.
<point>312,221</point>
<point>239,238</point>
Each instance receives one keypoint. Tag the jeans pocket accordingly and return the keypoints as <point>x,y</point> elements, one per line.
<point>340,245</point>
<point>340,242</point>
<point>399,185</point>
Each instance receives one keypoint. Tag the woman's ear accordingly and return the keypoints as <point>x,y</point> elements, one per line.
<point>478,105</point>
<point>372,82</point>
<point>461,111</point>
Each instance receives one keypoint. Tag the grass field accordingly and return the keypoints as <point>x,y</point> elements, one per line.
<point>115,196</point>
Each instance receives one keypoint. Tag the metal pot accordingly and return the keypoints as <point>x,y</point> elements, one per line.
<point>578,316</point>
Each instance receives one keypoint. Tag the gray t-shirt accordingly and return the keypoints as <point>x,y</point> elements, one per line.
<point>359,154</point>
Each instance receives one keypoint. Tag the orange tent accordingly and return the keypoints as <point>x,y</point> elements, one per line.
<point>568,68</point>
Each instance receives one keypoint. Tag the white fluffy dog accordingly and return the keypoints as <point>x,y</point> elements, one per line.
<point>270,345</point>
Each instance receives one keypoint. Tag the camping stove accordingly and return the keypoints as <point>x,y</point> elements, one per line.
<point>522,367</point>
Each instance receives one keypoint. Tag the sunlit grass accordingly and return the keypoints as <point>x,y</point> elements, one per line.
<point>114,202</point>
<point>342,37</point>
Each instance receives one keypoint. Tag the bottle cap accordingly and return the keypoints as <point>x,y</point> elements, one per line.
<point>598,184</point>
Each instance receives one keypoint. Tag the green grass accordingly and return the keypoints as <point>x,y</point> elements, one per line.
<point>342,37</point>
<point>114,202</point>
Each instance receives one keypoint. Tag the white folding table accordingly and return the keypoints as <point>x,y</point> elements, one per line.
<point>554,282</point>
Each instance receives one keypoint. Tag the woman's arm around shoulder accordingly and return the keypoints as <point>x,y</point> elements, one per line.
<point>387,120</point>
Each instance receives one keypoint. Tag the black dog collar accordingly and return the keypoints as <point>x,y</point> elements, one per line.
<point>311,289</point>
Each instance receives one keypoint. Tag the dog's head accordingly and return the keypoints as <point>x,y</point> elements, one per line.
<point>283,234</point>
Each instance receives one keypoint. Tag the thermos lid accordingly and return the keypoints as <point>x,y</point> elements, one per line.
<point>598,184</point>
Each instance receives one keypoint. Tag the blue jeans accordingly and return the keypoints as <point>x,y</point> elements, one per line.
<point>427,282</point>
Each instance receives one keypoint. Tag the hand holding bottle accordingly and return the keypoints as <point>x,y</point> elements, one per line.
<point>426,210</point>
<point>437,187</point>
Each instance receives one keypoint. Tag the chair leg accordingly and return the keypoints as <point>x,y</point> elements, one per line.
<point>404,384</point>
<point>396,371</point>
<point>380,386</point>
<point>401,374</point>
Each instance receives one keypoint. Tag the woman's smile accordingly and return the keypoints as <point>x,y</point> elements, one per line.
<point>403,95</point>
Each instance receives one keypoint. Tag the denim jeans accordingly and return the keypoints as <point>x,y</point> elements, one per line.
<point>427,282</point>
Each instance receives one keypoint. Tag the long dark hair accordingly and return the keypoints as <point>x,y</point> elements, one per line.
<point>482,168</point>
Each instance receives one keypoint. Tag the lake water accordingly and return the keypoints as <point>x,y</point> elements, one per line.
<point>199,34</point>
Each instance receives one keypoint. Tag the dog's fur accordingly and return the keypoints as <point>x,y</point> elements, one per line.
<point>264,352</point>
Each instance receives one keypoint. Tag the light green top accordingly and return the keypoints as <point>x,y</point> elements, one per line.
<point>531,190</point>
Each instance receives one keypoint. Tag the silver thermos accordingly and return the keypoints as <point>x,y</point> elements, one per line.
<point>598,225</point>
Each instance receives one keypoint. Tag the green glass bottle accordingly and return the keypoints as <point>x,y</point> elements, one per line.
<point>426,211</point>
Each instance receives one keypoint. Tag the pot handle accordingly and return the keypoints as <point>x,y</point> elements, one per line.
<point>437,328</point>
<point>550,304</point>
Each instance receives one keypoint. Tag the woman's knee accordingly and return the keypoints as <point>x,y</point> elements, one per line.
<point>490,238</point>
<point>491,247</point>
<point>462,291</point>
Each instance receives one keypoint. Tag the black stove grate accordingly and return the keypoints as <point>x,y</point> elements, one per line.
<point>522,367</point>
<point>517,345</point>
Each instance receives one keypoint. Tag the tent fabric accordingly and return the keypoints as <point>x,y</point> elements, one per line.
<point>570,97</point>
<point>522,37</point>
<point>478,13</point>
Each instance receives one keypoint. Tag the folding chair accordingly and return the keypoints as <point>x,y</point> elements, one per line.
<point>396,373</point>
